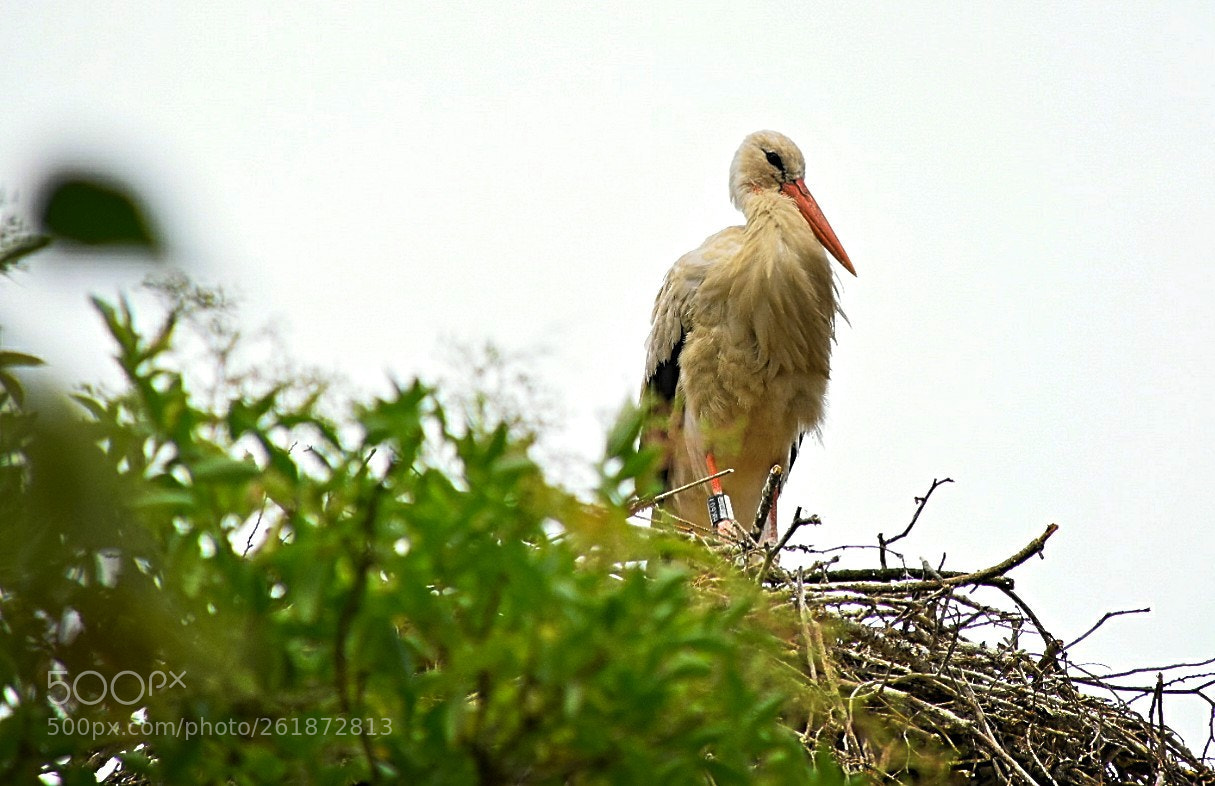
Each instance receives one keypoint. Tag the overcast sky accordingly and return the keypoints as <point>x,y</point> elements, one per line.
<point>1026,192</point>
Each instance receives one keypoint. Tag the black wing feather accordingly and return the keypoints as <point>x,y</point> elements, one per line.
<point>662,385</point>
<point>665,378</point>
<point>793,450</point>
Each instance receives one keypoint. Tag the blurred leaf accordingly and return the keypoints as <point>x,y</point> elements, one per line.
<point>179,499</point>
<point>94,407</point>
<point>14,252</point>
<point>622,439</point>
<point>9,383</point>
<point>12,386</point>
<point>222,469</point>
<point>84,208</point>
<point>18,359</point>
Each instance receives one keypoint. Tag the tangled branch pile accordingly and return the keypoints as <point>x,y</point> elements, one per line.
<point>914,694</point>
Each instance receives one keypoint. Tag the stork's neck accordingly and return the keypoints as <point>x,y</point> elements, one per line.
<point>778,236</point>
<point>782,279</point>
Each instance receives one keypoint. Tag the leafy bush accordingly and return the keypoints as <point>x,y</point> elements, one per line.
<point>395,596</point>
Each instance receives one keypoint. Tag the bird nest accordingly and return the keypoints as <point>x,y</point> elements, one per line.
<point>915,694</point>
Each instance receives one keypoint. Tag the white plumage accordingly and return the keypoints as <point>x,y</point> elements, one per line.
<point>740,345</point>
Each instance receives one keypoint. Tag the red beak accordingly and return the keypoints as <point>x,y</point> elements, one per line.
<point>817,221</point>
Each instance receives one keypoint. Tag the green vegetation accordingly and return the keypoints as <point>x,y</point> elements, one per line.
<point>244,589</point>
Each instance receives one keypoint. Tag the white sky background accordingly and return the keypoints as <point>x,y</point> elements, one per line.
<point>1026,193</point>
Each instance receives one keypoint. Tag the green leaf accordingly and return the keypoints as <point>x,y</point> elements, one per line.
<point>163,338</point>
<point>9,383</point>
<point>410,569</point>
<point>241,418</point>
<point>625,431</point>
<point>84,208</point>
<point>94,406</point>
<point>12,386</point>
<point>8,359</point>
<point>281,461</point>
<point>120,327</point>
<point>176,499</point>
<point>221,469</point>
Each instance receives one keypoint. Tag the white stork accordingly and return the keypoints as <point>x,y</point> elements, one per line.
<point>740,344</point>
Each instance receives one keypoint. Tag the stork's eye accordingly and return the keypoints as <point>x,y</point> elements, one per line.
<point>774,160</point>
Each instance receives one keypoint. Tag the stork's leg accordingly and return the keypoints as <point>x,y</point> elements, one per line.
<point>721,512</point>
<point>769,535</point>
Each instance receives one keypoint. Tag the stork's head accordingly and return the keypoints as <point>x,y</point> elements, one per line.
<point>769,161</point>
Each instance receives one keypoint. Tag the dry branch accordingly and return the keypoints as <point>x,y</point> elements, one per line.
<point>1108,616</point>
<point>883,581</point>
<point>641,504</point>
<point>920,503</point>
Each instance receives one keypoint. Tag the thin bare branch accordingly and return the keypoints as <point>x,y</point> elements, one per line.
<point>1108,616</point>
<point>641,504</point>
<point>976,577</point>
<point>920,503</point>
<point>798,523</point>
<point>1147,669</point>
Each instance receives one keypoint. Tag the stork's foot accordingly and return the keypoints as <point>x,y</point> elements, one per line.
<point>728,529</point>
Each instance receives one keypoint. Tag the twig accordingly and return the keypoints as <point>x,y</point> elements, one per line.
<point>805,549</point>
<point>682,524</point>
<point>920,503</point>
<point>642,504</point>
<point>816,644</point>
<point>1158,705</point>
<point>895,574</point>
<point>765,501</point>
<point>978,577</point>
<point>803,616</point>
<point>986,733</point>
<point>1035,546</point>
<point>1050,643</point>
<point>1170,667</point>
<point>256,525</point>
<point>1034,755</point>
<point>1100,622</point>
<point>798,523</point>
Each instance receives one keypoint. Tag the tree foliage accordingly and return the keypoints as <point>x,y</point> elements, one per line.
<point>396,595</point>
